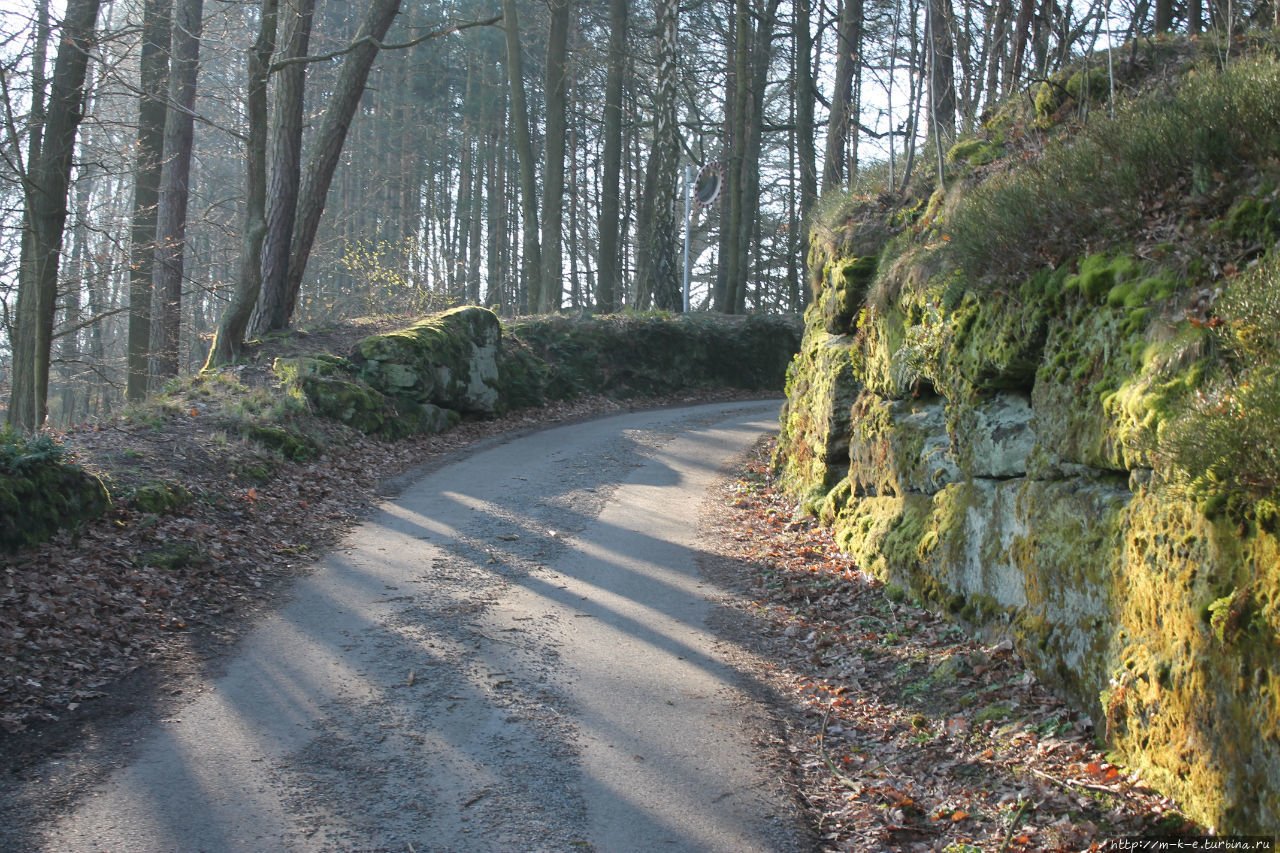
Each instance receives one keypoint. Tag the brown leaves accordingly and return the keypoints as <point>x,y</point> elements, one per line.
<point>915,735</point>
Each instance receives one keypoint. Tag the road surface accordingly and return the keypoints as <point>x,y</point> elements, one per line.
<point>514,655</point>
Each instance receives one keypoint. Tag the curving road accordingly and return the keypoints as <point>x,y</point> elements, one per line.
<point>514,655</point>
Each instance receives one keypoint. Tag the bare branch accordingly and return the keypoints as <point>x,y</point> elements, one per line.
<point>300,60</point>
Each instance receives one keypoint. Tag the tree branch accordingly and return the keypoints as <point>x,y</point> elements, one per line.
<point>301,60</point>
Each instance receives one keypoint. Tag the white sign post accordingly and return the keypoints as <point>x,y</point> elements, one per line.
<point>688,201</point>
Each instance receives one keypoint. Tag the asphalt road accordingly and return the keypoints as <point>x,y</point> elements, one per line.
<point>514,655</point>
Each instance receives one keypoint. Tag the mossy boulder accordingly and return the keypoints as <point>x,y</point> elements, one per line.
<point>160,497</point>
<point>448,360</point>
<point>43,498</point>
<point>1193,679</point>
<point>899,446</point>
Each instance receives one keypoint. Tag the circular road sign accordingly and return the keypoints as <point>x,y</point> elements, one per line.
<point>706,189</point>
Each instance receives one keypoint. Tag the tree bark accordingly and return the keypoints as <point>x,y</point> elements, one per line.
<point>171,223</point>
<point>664,263</point>
<point>45,217</point>
<point>942,88</point>
<point>552,290</point>
<point>842,124</point>
<point>286,162</point>
<point>608,266</point>
<point>229,336</point>
<point>531,255</point>
<point>805,90</point>
<point>325,153</point>
<point>149,162</point>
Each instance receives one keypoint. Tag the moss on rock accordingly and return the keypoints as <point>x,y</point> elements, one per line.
<point>160,497</point>
<point>45,497</point>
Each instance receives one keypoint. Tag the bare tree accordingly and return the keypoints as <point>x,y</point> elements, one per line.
<point>45,194</point>
<point>175,190</point>
<point>153,82</point>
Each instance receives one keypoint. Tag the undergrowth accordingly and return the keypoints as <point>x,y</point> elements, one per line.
<point>1091,185</point>
<point>1224,447</point>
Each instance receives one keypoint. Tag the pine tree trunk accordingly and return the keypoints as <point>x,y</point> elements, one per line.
<point>153,81</point>
<point>171,223</point>
<point>611,163</point>
<point>664,258</point>
<point>532,253</point>
<point>326,150</point>
<point>843,123</point>
<point>552,290</point>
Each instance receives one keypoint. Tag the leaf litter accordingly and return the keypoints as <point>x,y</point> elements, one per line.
<point>908,732</point>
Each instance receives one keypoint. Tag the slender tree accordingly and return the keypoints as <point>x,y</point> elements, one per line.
<point>153,83</point>
<point>663,266</point>
<point>608,266</point>
<point>44,219</point>
<point>229,336</point>
<point>175,190</point>
<point>551,292</point>
<point>286,160</point>
<point>842,129</point>
<point>325,152</point>
<point>531,255</point>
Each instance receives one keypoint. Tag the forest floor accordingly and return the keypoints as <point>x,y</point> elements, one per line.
<point>907,733</point>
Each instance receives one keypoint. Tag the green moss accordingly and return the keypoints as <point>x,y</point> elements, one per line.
<point>174,557</point>
<point>847,282</point>
<point>1100,274</point>
<point>975,152</point>
<point>1255,220</point>
<point>160,497</point>
<point>288,443</point>
<point>346,400</point>
<point>813,445</point>
<point>1226,615</point>
<point>40,494</point>
<point>996,713</point>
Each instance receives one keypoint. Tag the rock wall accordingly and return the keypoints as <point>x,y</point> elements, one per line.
<point>997,456</point>
<point>463,362</point>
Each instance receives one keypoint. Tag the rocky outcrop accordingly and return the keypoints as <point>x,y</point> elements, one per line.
<point>1005,457</point>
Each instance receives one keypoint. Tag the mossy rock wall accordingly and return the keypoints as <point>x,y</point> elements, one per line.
<point>998,456</point>
<point>464,363</point>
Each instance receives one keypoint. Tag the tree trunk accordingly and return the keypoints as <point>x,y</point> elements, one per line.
<point>45,217</point>
<point>171,223</point>
<point>532,253</point>
<point>552,290</point>
<point>806,133</point>
<point>607,265</point>
<point>737,90</point>
<point>325,153</point>
<point>664,262</point>
<point>149,162</point>
<point>229,337</point>
<point>942,76</point>
<point>286,162</point>
<point>842,124</point>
